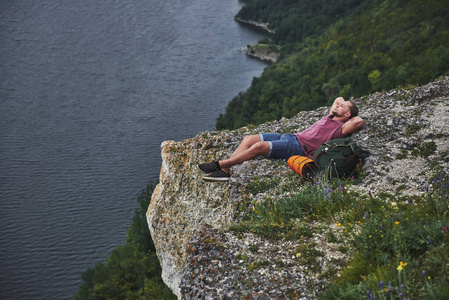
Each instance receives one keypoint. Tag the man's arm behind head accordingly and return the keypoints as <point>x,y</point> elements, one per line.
<point>352,125</point>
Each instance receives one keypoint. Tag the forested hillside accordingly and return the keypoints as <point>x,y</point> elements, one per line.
<point>294,20</point>
<point>343,48</point>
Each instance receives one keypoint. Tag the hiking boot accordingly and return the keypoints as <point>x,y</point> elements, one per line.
<point>209,167</point>
<point>217,176</point>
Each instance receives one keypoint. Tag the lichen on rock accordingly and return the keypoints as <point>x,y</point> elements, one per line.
<point>406,134</point>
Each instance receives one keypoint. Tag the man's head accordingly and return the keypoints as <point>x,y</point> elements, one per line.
<point>346,110</point>
<point>353,109</point>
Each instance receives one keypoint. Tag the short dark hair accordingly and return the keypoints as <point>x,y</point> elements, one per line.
<point>353,109</point>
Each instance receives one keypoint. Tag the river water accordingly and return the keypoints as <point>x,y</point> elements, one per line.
<point>88,91</point>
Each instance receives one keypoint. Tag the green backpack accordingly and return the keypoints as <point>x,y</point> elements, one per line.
<point>339,157</point>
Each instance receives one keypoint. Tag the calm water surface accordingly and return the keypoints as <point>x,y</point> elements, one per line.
<point>88,91</point>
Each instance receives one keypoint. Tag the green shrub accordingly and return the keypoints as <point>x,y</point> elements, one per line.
<point>425,149</point>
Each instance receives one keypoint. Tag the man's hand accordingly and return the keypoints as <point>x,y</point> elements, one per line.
<point>352,125</point>
<point>337,101</point>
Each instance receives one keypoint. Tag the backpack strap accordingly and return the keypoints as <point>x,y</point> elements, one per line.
<point>352,156</point>
<point>315,157</point>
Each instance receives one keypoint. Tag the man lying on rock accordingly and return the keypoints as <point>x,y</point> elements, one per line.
<point>341,121</point>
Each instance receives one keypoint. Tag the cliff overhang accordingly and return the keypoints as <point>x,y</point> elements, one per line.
<point>189,219</point>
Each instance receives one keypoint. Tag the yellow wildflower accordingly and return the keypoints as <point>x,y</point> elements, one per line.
<point>401,266</point>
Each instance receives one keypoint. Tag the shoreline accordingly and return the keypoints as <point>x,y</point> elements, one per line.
<point>259,51</point>
<point>260,26</point>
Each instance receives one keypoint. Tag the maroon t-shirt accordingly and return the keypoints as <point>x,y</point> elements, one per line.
<point>322,131</point>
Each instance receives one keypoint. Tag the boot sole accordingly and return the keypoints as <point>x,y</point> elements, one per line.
<point>216,179</point>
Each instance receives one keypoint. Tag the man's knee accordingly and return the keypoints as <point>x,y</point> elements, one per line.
<point>253,137</point>
<point>250,140</point>
<point>260,148</point>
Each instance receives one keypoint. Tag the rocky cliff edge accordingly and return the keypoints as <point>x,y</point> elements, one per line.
<point>189,219</point>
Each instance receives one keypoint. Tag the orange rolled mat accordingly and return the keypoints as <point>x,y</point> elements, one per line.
<point>301,164</point>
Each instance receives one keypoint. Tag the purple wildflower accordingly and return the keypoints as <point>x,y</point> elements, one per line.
<point>424,273</point>
<point>410,200</point>
<point>382,285</point>
<point>368,294</point>
<point>445,229</point>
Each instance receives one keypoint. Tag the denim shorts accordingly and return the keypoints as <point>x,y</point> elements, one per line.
<point>282,146</point>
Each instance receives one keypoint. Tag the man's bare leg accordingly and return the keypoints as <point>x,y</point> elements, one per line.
<point>249,148</point>
<point>246,143</point>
